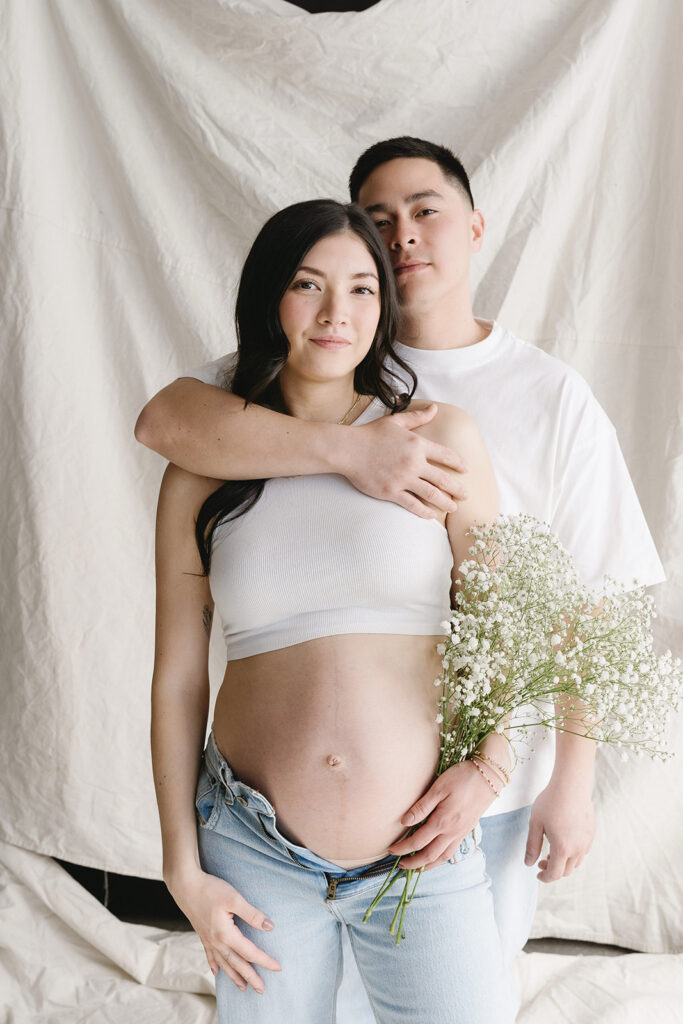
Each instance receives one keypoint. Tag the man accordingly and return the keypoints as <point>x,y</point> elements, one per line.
<point>554,451</point>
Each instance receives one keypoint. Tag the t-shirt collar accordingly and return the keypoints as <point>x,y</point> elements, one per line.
<point>454,358</point>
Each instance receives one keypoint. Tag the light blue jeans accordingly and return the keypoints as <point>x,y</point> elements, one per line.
<point>514,887</point>
<point>448,969</point>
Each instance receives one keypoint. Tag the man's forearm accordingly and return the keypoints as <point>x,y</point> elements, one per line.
<point>574,753</point>
<point>208,431</point>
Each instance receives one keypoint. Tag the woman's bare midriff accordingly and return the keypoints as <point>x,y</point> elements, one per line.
<point>339,734</point>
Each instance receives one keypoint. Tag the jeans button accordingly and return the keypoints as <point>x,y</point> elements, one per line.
<point>242,800</point>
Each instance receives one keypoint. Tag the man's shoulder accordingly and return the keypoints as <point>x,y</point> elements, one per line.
<point>533,371</point>
<point>219,372</point>
<point>517,349</point>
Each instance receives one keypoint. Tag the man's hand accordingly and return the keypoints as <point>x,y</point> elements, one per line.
<point>564,813</point>
<point>208,431</point>
<point>455,802</point>
<point>387,459</point>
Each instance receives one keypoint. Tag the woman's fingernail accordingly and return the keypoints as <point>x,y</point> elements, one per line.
<point>409,818</point>
<point>268,925</point>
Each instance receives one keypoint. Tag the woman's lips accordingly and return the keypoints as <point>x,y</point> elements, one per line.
<point>329,342</point>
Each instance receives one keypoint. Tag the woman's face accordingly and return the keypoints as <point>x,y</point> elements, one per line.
<point>331,309</point>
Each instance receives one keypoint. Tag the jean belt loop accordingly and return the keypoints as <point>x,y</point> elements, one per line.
<point>264,804</point>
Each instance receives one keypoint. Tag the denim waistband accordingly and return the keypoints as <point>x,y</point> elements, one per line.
<point>251,800</point>
<point>218,766</point>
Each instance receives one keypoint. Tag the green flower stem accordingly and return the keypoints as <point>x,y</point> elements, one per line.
<point>404,902</point>
<point>400,908</point>
<point>386,885</point>
<point>405,897</point>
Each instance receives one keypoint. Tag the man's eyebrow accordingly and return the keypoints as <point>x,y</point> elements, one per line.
<point>428,192</point>
<point>319,273</point>
<point>415,197</point>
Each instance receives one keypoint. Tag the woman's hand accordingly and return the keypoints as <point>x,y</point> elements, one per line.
<point>211,905</point>
<point>455,802</point>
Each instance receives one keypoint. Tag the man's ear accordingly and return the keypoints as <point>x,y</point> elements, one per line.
<point>478,225</point>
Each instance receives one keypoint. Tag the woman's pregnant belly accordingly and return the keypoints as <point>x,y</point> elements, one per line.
<point>339,734</point>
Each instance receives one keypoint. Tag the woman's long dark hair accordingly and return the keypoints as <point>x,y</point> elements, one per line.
<point>263,348</point>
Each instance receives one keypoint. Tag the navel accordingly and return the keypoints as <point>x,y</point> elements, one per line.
<point>334,760</point>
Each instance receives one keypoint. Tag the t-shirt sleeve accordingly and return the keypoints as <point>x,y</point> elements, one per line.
<point>219,373</point>
<point>597,514</point>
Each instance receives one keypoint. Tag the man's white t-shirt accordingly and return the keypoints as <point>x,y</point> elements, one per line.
<point>556,456</point>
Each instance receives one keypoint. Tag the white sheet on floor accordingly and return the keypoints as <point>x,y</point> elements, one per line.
<point>628,989</point>
<point>65,959</point>
<point>144,145</point>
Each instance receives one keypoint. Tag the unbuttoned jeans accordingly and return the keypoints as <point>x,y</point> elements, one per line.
<point>448,969</point>
<point>514,887</point>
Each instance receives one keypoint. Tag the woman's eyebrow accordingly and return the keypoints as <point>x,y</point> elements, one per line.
<point>320,273</point>
<point>311,270</point>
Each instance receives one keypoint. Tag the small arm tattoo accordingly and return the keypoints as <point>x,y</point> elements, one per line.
<point>207,619</point>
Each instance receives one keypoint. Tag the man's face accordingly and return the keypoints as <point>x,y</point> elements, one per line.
<point>428,227</point>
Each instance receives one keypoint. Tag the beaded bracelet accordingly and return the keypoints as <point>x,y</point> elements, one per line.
<point>495,765</point>
<point>484,775</point>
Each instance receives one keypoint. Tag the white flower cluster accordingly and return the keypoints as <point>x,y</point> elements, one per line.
<point>527,639</point>
<point>526,632</point>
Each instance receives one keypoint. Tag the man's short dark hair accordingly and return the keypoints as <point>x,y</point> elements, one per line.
<point>407,146</point>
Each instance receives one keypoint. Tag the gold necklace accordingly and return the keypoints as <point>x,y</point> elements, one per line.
<point>350,410</point>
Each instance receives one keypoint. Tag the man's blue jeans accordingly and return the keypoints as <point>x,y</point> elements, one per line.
<point>449,968</point>
<point>515,886</point>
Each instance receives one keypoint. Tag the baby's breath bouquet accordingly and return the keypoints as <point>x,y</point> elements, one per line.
<point>527,643</point>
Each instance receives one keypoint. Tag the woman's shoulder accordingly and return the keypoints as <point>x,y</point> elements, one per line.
<point>450,423</point>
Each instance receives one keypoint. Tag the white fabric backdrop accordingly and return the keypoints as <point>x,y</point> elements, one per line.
<point>145,141</point>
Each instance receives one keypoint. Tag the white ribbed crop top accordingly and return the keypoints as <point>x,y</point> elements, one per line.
<point>315,557</point>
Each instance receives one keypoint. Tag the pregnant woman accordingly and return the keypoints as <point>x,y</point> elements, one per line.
<point>324,730</point>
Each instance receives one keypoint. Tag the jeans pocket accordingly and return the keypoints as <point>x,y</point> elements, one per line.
<point>470,845</point>
<point>207,804</point>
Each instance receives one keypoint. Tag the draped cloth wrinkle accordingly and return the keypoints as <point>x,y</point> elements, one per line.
<point>144,144</point>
